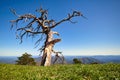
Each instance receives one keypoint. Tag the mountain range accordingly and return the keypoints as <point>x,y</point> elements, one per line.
<point>69,59</point>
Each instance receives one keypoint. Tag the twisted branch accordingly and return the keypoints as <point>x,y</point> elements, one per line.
<point>70,16</point>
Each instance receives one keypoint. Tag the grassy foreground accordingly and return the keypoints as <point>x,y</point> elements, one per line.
<point>60,72</point>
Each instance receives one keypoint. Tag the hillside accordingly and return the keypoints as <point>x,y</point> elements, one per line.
<point>60,72</point>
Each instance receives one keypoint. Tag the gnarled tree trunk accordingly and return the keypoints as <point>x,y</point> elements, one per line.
<point>48,49</point>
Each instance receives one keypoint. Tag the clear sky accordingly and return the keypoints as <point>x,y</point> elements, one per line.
<point>99,35</point>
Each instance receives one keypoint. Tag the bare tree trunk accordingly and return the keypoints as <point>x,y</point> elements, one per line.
<point>48,51</point>
<point>49,44</point>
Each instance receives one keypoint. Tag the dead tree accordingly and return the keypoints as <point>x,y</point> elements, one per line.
<point>41,26</point>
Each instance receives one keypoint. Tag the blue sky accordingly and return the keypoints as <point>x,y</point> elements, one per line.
<point>99,35</point>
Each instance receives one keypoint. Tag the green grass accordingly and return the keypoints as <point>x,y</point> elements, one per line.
<point>60,72</point>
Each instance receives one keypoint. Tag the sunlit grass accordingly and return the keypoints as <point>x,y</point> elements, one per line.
<point>60,72</point>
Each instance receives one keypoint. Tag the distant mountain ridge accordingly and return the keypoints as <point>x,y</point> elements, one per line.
<point>69,59</point>
<point>89,60</point>
<point>100,59</point>
<point>8,59</point>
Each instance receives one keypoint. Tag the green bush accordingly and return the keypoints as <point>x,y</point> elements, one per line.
<point>76,61</point>
<point>26,59</point>
<point>95,63</point>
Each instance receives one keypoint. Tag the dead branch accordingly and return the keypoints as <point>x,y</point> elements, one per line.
<point>58,55</point>
<point>70,16</point>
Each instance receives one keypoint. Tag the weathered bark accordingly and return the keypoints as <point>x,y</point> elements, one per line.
<point>49,44</point>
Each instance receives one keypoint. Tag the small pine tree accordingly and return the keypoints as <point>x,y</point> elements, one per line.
<point>26,59</point>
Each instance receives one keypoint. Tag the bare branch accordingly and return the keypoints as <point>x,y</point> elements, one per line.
<point>21,37</point>
<point>38,41</point>
<point>72,22</point>
<point>84,17</point>
<point>28,30</point>
<point>44,13</point>
<point>56,33</point>
<point>57,56</point>
<point>70,16</point>
<point>14,12</point>
<point>29,16</point>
